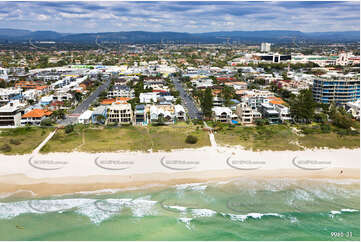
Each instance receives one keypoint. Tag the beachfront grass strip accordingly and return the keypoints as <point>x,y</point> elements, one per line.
<point>127,138</point>
<point>330,140</point>
<point>174,136</point>
<point>112,139</point>
<point>22,140</point>
<point>63,142</point>
<point>258,138</point>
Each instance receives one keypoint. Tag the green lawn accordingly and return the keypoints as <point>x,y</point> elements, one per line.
<point>22,140</point>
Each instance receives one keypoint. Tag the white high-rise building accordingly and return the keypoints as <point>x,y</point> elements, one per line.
<point>265,47</point>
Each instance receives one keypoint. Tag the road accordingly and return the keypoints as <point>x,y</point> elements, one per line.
<point>193,111</point>
<point>73,117</point>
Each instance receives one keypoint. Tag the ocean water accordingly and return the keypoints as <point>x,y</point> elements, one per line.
<point>240,209</point>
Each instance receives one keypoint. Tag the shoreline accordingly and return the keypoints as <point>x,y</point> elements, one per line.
<point>110,184</point>
<point>69,173</point>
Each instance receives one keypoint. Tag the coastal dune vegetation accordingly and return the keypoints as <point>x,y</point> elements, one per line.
<point>22,140</point>
<point>132,138</point>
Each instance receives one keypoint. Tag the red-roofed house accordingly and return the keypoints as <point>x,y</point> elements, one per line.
<point>35,116</point>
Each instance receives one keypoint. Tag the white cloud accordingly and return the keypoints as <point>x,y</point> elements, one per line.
<point>42,17</point>
<point>181,16</point>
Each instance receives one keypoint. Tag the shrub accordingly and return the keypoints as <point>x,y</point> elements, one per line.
<point>69,129</point>
<point>5,148</point>
<point>325,128</point>
<point>46,122</point>
<point>15,142</point>
<point>191,139</point>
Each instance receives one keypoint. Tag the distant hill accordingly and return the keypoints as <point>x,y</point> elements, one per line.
<point>275,36</point>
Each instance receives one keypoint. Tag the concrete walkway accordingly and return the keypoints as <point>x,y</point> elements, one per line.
<point>211,135</point>
<point>37,149</point>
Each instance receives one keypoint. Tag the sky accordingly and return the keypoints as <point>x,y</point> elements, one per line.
<point>193,17</point>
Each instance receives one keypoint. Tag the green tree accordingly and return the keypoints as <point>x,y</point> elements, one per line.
<point>59,114</point>
<point>69,128</point>
<point>78,96</point>
<point>207,102</point>
<point>228,93</point>
<point>303,106</point>
<point>178,101</point>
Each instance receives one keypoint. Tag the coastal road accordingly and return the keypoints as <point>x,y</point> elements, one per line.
<point>188,101</point>
<point>73,117</point>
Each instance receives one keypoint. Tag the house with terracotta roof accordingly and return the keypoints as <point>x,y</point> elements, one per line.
<point>35,116</point>
<point>276,100</point>
<point>112,100</point>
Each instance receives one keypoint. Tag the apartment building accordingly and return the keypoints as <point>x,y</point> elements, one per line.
<point>8,94</point>
<point>120,91</point>
<point>283,112</point>
<point>269,112</point>
<point>10,116</point>
<point>148,97</point>
<point>246,114</point>
<point>120,113</point>
<point>140,115</point>
<point>338,90</point>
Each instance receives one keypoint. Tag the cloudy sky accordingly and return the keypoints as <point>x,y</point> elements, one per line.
<point>79,17</point>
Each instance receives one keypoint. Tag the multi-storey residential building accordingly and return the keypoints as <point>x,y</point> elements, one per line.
<point>244,113</point>
<point>148,97</point>
<point>284,112</point>
<point>120,91</point>
<point>8,94</point>
<point>269,112</point>
<point>222,114</point>
<point>140,115</point>
<point>338,91</point>
<point>266,47</point>
<point>120,113</point>
<point>218,102</point>
<point>10,116</point>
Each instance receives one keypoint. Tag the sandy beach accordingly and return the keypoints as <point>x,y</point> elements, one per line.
<point>63,173</point>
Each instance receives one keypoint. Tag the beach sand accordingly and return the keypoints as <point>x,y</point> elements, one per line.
<point>67,173</point>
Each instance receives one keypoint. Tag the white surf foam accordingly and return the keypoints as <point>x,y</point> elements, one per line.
<point>186,221</point>
<point>192,186</point>
<point>202,212</point>
<point>243,217</point>
<point>96,210</point>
